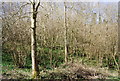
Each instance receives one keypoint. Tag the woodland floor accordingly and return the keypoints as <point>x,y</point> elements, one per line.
<point>65,71</point>
<point>70,71</point>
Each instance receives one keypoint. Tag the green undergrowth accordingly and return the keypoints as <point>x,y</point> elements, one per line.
<point>57,71</point>
<point>114,78</point>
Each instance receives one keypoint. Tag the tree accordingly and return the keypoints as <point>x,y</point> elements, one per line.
<point>14,33</point>
<point>65,34</point>
<point>34,9</point>
<point>119,40</point>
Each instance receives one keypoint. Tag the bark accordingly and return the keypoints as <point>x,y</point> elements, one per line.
<point>65,36</point>
<point>119,54</point>
<point>119,66</point>
<point>119,40</point>
<point>35,68</point>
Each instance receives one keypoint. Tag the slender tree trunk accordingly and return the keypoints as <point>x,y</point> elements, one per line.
<point>119,66</point>
<point>65,34</point>
<point>118,53</point>
<point>119,59</point>
<point>119,40</point>
<point>35,69</point>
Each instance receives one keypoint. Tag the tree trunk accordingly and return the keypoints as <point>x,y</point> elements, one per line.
<point>118,53</point>
<point>119,40</point>
<point>119,66</point>
<point>65,34</point>
<point>35,69</point>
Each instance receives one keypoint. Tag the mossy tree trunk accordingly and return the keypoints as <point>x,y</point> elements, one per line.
<point>35,68</point>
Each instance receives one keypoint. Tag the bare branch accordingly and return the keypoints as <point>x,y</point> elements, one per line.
<point>20,9</point>
<point>31,2</point>
<point>37,6</point>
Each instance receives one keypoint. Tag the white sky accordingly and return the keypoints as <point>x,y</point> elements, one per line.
<point>62,0</point>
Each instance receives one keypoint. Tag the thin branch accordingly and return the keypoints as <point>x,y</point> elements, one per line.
<point>37,6</point>
<point>20,9</point>
<point>31,2</point>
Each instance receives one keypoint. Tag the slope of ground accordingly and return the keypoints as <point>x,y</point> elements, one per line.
<point>76,71</point>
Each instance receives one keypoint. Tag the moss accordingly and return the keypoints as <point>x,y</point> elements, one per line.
<point>35,74</point>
